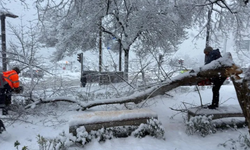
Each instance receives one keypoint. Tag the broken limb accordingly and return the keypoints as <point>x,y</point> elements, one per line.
<point>211,70</point>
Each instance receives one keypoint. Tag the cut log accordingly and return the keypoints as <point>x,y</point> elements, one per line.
<point>225,123</point>
<point>220,112</point>
<point>105,119</point>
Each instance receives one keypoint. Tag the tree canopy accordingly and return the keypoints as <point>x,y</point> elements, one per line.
<point>75,25</point>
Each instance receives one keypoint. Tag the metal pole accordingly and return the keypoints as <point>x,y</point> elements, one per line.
<point>4,60</point>
<point>81,64</point>
<point>120,55</point>
<point>100,46</point>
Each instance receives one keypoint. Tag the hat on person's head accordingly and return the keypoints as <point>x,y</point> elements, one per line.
<point>208,49</point>
<point>17,70</point>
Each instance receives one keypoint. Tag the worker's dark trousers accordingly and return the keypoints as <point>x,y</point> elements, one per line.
<point>217,82</point>
<point>2,127</point>
<point>3,102</point>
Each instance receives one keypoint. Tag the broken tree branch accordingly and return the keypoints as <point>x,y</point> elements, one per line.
<point>216,68</point>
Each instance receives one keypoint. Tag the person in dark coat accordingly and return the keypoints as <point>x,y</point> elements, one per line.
<point>84,79</point>
<point>210,55</point>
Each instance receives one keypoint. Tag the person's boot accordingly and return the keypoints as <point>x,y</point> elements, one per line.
<point>2,127</point>
<point>212,107</point>
<point>5,111</point>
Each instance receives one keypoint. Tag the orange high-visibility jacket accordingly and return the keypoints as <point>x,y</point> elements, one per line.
<point>12,78</point>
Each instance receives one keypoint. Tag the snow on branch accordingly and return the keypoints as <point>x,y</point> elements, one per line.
<point>214,69</point>
<point>52,100</point>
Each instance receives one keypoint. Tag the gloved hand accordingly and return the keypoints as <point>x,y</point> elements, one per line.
<point>192,71</point>
<point>198,74</point>
<point>18,90</point>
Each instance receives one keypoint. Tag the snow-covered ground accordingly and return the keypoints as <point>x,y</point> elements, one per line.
<point>52,119</point>
<point>49,120</point>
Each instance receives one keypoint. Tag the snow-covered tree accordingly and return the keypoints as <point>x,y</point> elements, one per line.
<point>71,25</point>
<point>75,25</point>
<point>217,19</point>
<point>154,25</point>
<point>23,52</point>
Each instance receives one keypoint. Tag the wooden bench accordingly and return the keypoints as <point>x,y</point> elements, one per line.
<point>105,119</point>
<point>220,112</point>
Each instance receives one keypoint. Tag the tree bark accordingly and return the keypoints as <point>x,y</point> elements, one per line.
<point>100,46</point>
<point>126,58</point>
<point>120,55</point>
<point>243,95</point>
<point>208,26</point>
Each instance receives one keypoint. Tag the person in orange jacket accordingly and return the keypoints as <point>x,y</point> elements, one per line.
<point>11,85</point>
<point>12,78</point>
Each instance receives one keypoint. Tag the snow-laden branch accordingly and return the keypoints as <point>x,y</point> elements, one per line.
<point>214,69</point>
<point>52,100</point>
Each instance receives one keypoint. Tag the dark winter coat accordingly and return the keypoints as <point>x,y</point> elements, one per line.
<point>213,55</point>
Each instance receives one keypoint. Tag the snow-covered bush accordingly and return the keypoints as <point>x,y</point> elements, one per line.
<point>242,143</point>
<point>200,124</point>
<point>82,137</point>
<point>153,128</point>
<point>59,143</point>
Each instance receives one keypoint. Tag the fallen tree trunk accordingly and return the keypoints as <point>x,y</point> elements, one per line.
<point>242,89</point>
<point>187,79</point>
<point>214,69</point>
